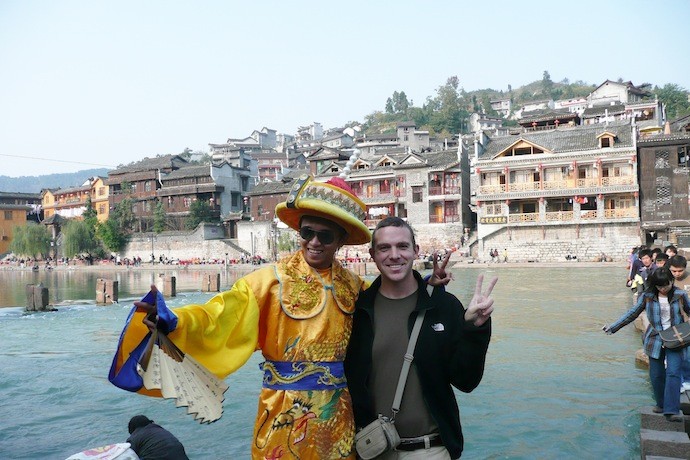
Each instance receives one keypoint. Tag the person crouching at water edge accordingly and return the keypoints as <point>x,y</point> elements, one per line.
<point>662,302</point>
<point>298,312</point>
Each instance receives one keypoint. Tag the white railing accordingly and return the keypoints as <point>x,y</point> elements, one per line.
<point>622,180</point>
<point>559,216</point>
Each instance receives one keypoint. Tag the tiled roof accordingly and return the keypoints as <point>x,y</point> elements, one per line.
<point>334,136</point>
<point>680,123</point>
<point>601,110</point>
<point>564,139</point>
<point>327,154</point>
<point>545,115</point>
<point>23,195</point>
<point>441,159</point>
<point>378,137</point>
<point>81,188</point>
<point>656,138</point>
<point>269,188</point>
<point>147,164</point>
<point>188,171</point>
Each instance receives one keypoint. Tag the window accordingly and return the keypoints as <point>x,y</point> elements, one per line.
<point>187,202</point>
<point>605,142</point>
<point>101,191</point>
<point>417,194</point>
<point>147,186</point>
<point>8,215</point>
<point>101,209</point>
<point>683,159</point>
<point>493,209</point>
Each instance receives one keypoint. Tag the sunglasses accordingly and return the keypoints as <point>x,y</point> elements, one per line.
<point>324,236</point>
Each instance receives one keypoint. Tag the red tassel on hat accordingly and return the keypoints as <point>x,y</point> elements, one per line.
<point>340,183</point>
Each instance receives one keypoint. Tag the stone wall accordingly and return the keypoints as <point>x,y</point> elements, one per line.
<point>182,245</point>
<point>548,244</point>
<point>553,244</point>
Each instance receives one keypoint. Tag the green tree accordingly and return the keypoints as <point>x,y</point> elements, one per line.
<point>389,105</point>
<point>287,242</point>
<point>546,83</point>
<point>125,216</point>
<point>79,237</point>
<point>159,218</point>
<point>30,240</point>
<point>114,232</point>
<point>675,98</point>
<point>199,211</point>
<point>400,102</point>
<point>112,237</point>
<point>449,116</point>
<point>90,215</point>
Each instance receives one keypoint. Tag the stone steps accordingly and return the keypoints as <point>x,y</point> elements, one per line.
<point>661,439</point>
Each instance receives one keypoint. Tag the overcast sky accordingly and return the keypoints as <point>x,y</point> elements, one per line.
<point>92,83</point>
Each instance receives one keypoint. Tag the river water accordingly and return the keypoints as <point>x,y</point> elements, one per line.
<point>555,386</point>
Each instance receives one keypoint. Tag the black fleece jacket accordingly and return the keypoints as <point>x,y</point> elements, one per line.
<point>449,352</point>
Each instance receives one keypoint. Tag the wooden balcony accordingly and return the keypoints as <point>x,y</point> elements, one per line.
<point>568,186</point>
<point>621,180</point>
<point>620,213</point>
<point>439,190</point>
<point>523,186</point>
<point>434,219</point>
<point>571,217</point>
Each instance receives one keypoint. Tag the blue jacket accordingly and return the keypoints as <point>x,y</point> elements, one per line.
<point>650,303</point>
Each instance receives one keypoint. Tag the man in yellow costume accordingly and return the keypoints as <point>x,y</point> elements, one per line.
<point>298,312</point>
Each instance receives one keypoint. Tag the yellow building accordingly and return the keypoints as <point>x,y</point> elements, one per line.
<point>70,203</point>
<point>14,211</point>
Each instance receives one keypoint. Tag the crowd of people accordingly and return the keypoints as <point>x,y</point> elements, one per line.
<point>660,281</point>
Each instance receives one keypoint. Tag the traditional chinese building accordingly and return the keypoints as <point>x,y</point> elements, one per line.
<point>571,190</point>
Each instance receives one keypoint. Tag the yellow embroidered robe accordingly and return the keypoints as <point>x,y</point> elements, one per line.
<point>291,312</point>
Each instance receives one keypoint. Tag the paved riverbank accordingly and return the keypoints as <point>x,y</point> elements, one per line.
<point>358,267</point>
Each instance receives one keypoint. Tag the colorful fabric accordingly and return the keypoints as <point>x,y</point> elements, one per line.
<point>293,375</point>
<point>292,313</point>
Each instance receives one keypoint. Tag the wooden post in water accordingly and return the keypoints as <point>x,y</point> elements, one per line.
<point>37,298</point>
<point>211,282</point>
<point>169,287</point>
<point>106,291</point>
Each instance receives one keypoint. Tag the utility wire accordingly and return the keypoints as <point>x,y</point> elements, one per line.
<point>56,160</point>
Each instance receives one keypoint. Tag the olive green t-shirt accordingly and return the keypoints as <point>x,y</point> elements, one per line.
<point>390,344</point>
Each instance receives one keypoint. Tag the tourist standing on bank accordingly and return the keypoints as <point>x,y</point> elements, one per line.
<point>681,280</point>
<point>450,351</point>
<point>662,302</point>
<point>671,250</point>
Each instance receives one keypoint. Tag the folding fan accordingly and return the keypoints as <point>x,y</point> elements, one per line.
<point>165,367</point>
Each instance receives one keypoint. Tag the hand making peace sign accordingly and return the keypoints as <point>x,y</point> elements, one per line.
<point>440,277</point>
<point>481,305</point>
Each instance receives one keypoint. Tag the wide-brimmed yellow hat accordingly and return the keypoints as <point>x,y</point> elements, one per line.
<point>328,200</point>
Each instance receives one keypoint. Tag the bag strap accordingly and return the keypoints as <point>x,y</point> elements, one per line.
<point>681,299</point>
<point>409,356</point>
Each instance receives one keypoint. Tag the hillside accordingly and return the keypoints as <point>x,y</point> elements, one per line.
<point>34,184</point>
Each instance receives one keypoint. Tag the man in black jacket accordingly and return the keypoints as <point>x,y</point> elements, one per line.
<point>450,351</point>
<point>153,442</point>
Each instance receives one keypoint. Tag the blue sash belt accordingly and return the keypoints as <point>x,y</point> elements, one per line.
<point>303,375</point>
